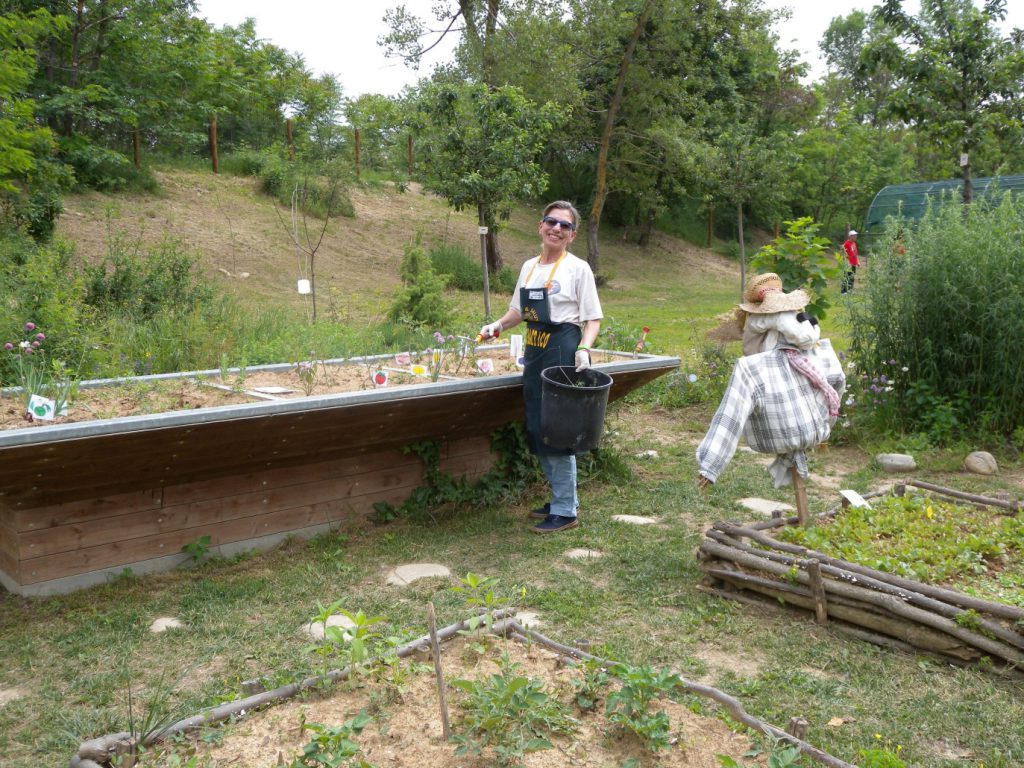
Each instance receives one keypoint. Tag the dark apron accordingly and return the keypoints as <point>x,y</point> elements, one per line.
<point>547,344</point>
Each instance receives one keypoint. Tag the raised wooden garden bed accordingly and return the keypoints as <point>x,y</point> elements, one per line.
<point>81,501</point>
<point>745,562</point>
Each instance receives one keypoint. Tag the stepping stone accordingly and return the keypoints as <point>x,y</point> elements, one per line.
<point>765,506</point>
<point>7,695</point>
<point>529,619</point>
<point>635,519</point>
<point>584,554</point>
<point>648,454</point>
<point>165,623</point>
<point>315,629</point>
<point>404,575</point>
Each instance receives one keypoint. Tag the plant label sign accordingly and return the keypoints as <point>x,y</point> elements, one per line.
<point>44,408</point>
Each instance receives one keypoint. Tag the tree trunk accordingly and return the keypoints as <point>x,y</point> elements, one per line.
<point>646,227</point>
<point>136,148</point>
<point>601,182</point>
<point>743,248</point>
<point>408,155</point>
<point>711,223</point>
<point>494,262</point>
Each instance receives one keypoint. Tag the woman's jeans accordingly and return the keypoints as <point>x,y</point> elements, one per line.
<point>560,470</point>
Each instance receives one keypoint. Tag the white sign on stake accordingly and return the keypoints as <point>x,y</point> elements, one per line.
<point>482,230</point>
<point>304,286</point>
<point>44,408</point>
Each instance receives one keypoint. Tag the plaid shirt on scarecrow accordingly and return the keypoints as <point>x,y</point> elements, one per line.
<point>776,409</point>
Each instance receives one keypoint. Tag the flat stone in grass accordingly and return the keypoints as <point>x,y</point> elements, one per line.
<point>765,506</point>
<point>634,519</point>
<point>896,463</point>
<point>581,553</point>
<point>315,629</point>
<point>407,574</point>
<point>165,623</point>
<point>529,619</point>
<point>7,695</point>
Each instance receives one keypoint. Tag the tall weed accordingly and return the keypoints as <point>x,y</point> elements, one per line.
<point>948,313</point>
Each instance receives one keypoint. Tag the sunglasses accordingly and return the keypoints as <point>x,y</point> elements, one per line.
<point>551,221</point>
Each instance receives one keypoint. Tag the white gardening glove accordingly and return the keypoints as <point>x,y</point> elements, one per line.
<point>491,330</point>
<point>582,360</point>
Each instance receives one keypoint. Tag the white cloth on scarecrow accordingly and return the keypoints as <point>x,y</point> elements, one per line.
<point>776,409</point>
<point>763,333</point>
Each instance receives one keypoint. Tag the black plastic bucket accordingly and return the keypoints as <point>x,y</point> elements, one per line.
<point>572,407</point>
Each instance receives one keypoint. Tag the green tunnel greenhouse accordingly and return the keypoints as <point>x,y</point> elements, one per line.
<point>911,200</point>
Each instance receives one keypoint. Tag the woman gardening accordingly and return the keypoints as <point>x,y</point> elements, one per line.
<point>557,297</point>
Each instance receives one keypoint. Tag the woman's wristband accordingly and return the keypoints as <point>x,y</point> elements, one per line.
<point>582,346</point>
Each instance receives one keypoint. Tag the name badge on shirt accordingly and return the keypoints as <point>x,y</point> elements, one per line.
<point>536,295</point>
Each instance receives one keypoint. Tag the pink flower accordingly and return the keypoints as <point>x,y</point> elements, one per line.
<point>8,346</point>
<point>40,336</point>
<point>30,326</point>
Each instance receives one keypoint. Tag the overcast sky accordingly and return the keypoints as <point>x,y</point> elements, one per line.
<point>340,37</point>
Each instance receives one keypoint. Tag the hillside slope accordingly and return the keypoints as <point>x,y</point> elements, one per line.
<point>245,245</point>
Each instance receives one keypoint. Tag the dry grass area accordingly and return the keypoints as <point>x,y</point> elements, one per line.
<point>246,242</point>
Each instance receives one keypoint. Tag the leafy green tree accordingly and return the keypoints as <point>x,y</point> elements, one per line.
<point>29,182</point>
<point>959,78</point>
<point>479,148</point>
<point>802,258</point>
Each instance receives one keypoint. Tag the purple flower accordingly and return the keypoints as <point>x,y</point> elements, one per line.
<point>842,355</point>
<point>438,337</point>
<point>30,326</point>
<point>8,346</point>
<point>892,362</point>
<point>882,379</point>
<point>40,336</point>
<point>35,344</point>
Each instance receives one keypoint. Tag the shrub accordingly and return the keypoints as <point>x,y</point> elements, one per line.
<point>948,310</point>
<point>465,273</point>
<point>166,279</point>
<point>317,191</point>
<point>420,302</point>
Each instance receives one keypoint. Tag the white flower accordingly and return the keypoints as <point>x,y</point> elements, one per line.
<point>846,423</point>
<point>692,378</point>
<point>25,344</point>
<point>850,400</point>
<point>888,389</point>
<point>904,369</point>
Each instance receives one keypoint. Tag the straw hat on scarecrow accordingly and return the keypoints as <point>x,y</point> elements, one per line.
<point>764,296</point>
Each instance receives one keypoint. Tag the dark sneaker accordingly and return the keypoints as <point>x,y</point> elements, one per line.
<point>555,523</point>
<point>541,512</point>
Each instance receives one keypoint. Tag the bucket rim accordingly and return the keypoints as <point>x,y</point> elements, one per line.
<point>604,379</point>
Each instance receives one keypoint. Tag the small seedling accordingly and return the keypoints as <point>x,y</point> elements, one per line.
<point>333,746</point>
<point>197,549</point>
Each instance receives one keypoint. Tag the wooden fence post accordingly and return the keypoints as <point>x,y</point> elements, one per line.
<point>213,144</point>
<point>355,132</point>
<point>408,154</point>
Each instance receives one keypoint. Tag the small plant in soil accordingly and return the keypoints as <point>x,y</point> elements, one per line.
<point>591,685</point>
<point>628,707</point>
<point>351,644</point>
<point>333,746</point>
<point>510,714</point>
<point>35,373</point>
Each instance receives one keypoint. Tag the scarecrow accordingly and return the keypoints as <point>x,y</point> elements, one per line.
<point>783,396</point>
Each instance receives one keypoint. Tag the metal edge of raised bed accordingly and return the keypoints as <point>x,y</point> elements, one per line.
<point>84,429</point>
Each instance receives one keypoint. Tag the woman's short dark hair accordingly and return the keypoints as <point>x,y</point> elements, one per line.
<point>563,205</point>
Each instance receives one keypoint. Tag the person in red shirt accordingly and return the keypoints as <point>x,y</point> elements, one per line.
<point>852,260</point>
